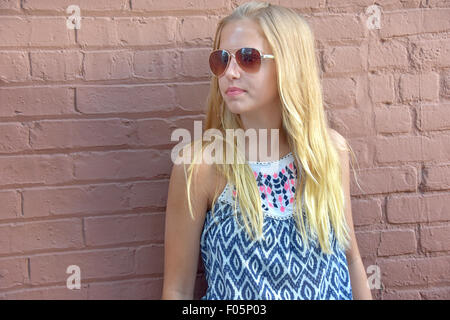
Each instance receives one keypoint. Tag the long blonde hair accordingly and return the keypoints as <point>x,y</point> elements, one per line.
<point>319,192</point>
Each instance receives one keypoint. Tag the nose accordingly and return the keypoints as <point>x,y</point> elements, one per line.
<point>233,70</point>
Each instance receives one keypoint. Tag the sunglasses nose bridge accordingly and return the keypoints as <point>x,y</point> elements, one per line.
<point>230,62</point>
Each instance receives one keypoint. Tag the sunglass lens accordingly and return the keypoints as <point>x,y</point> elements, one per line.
<point>249,59</point>
<point>218,61</point>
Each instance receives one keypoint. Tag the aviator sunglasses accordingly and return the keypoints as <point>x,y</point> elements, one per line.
<point>249,59</point>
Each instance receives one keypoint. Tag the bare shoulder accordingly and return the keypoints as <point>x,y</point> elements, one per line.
<point>206,179</point>
<point>339,141</point>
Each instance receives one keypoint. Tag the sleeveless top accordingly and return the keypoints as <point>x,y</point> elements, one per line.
<point>279,267</point>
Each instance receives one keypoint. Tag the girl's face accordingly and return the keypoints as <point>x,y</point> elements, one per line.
<point>260,88</point>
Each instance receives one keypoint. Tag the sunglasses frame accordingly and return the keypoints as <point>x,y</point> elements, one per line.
<point>262,56</point>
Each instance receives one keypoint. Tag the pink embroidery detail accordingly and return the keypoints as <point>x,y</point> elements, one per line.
<point>282,209</point>
<point>275,175</point>
<point>283,171</point>
<point>291,166</point>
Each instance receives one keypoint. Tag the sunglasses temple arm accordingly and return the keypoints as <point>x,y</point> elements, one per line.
<point>264,56</point>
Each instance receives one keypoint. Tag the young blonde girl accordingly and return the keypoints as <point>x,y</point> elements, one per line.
<point>265,229</point>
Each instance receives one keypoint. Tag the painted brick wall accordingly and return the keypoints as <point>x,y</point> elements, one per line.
<point>86,116</point>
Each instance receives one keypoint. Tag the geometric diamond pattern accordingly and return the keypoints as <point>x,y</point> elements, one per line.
<point>279,267</point>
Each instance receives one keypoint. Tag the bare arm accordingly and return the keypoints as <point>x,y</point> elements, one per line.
<point>182,234</point>
<point>358,277</point>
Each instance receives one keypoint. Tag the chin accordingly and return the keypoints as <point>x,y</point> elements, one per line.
<point>237,109</point>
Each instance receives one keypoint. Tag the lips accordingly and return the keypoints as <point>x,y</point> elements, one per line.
<point>232,91</point>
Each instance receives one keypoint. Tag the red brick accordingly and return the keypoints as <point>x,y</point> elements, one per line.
<point>198,31</point>
<point>56,65</point>
<point>97,32</point>
<point>125,99</point>
<point>14,137</point>
<point>368,242</point>
<point>13,271</point>
<point>35,169</point>
<point>45,235</point>
<point>445,91</point>
<point>146,31</point>
<point>123,229</point>
<point>142,164</point>
<point>397,242</point>
<point>366,212</point>
<point>344,59</point>
<point>149,194</point>
<point>436,177</point>
<point>412,148</point>
<point>85,5</point>
<point>15,66</point>
<point>435,238</point>
<point>92,199</point>
<point>146,131</point>
<point>414,271</point>
<point>434,117</point>
<point>337,27</point>
<point>39,31</point>
<point>150,260</point>
<point>134,289</point>
<point>401,295</point>
<point>381,88</point>
<point>436,20</point>
<point>436,294</point>
<point>11,204</point>
<point>36,101</point>
<point>339,92</point>
<point>93,264</point>
<point>192,97</point>
<point>146,6</point>
<point>385,180</point>
<point>110,65</point>
<point>391,119</point>
<point>423,87</point>
<point>351,121</point>
<point>51,134</point>
<point>156,64</point>
<point>426,54</point>
<point>417,208</point>
<point>387,54</point>
<point>297,4</point>
<point>49,293</point>
<point>401,23</point>
<point>194,63</point>
<point>9,5</point>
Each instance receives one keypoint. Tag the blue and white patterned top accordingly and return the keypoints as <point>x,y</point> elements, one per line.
<point>279,267</point>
